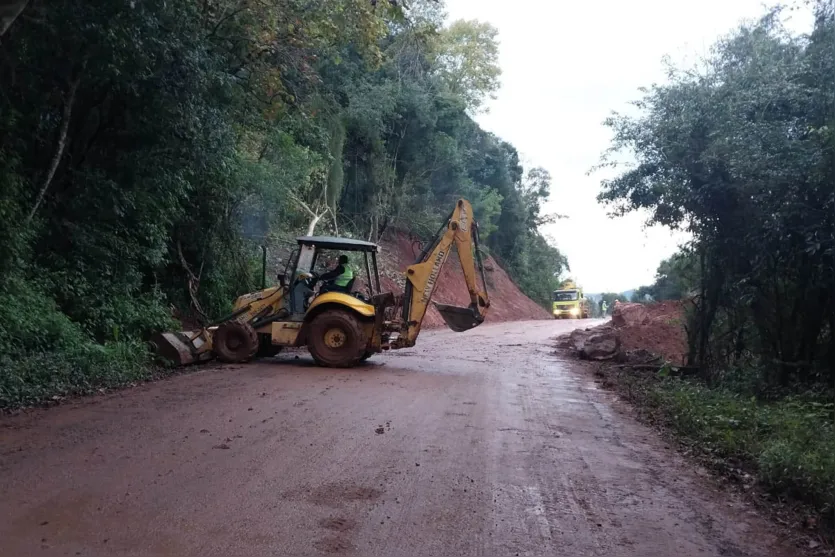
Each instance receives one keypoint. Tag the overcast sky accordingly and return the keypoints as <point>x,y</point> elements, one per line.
<point>565,67</point>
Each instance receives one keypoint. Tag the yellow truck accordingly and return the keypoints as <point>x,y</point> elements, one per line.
<point>569,302</point>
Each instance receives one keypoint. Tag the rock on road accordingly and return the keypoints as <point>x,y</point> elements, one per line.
<point>477,443</point>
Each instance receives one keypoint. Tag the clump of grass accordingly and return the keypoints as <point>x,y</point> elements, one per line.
<point>83,369</point>
<point>787,443</point>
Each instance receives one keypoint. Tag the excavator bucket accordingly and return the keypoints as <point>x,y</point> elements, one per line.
<point>183,347</point>
<point>459,319</point>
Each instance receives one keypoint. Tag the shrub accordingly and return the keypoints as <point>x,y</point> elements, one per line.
<point>790,442</point>
<point>43,354</point>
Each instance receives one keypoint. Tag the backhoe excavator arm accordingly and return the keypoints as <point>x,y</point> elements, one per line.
<point>460,229</point>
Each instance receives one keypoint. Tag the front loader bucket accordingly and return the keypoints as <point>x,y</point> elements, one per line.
<point>459,319</point>
<point>182,348</point>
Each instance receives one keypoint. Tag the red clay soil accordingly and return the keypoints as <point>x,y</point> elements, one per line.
<point>507,302</point>
<point>657,327</point>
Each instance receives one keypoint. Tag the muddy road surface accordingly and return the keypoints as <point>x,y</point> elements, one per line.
<point>478,443</point>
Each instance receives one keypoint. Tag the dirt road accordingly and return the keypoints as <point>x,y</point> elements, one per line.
<point>478,443</point>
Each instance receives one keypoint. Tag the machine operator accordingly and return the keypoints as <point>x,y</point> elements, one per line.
<point>339,278</point>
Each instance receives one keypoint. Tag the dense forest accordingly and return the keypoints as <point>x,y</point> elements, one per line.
<point>740,152</point>
<point>148,147</point>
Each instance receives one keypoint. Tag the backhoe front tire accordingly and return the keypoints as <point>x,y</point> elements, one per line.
<point>336,339</point>
<point>235,342</point>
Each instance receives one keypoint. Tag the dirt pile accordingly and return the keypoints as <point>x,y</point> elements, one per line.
<point>507,302</point>
<point>629,314</point>
<point>637,333</point>
<point>657,328</point>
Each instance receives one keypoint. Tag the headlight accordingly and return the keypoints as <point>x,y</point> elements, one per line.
<point>575,311</point>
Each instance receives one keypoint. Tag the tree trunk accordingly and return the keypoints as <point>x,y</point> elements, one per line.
<point>193,284</point>
<point>313,222</point>
<point>739,343</point>
<point>59,149</point>
<point>381,228</point>
<point>9,10</point>
<point>832,349</point>
<point>335,224</point>
<point>696,330</point>
<point>315,216</point>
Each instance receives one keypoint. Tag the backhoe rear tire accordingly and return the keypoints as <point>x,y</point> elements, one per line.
<point>337,339</point>
<point>235,342</point>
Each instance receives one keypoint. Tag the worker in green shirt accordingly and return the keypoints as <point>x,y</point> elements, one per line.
<point>340,278</point>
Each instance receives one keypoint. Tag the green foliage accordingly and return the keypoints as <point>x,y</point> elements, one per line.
<point>789,444</point>
<point>80,369</point>
<point>642,295</point>
<point>44,354</point>
<point>539,268</point>
<point>741,153</point>
<point>149,147</point>
<point>676,278</point>
<point>411,149</point>
<point>467,61</point>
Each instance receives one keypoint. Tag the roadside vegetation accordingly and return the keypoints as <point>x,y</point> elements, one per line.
<point>740,152</point>
<point>147,149</point>
<point>784,444</point>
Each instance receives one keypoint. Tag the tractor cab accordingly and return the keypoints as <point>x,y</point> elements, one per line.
<point>315,256</point>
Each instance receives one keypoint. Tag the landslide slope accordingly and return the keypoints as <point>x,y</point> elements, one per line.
<point>507,302</point>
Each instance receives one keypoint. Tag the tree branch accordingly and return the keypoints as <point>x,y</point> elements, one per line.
<point>9,11</point>
<point>335,224</point>
<point>302,204</point>
<point>314,215</point>
<point>226,15</point>
<point>193,283</point>
<point>59,149</point>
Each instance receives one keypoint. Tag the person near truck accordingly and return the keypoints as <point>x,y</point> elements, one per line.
<point>338,278</point>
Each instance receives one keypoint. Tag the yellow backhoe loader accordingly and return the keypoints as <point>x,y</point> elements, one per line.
<point>340,329</point>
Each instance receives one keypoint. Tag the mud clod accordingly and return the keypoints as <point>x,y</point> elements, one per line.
<point>338,524</point>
